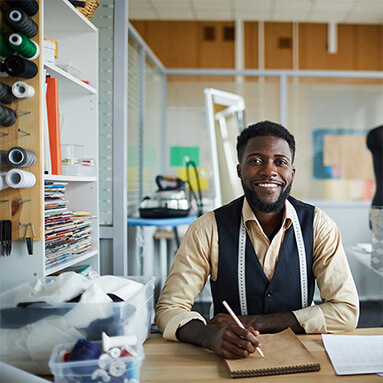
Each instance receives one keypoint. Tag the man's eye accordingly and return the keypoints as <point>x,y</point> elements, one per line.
<point>255,161</point>
<point>282,162</point>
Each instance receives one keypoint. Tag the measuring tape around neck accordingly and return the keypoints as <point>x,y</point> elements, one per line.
<point>302,262</point>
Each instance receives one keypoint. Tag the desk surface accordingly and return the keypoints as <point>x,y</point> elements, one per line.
<point>160,222</point>
<point>180,362</point>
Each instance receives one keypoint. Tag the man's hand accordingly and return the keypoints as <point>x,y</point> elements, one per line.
<point>231,341</point>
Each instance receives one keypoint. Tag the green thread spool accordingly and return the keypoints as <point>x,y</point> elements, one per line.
<point>5,49</point>
<point>21,44</point>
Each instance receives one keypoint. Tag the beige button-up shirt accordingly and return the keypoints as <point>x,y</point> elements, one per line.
<point>197,258</point>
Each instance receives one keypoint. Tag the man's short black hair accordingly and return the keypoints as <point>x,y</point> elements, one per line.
<point>264,128</point>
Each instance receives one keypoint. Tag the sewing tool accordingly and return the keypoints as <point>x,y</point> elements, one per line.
<point>19,20</point>
<point>30,7</point>
<point>20,67</point>
<point>21,89</point>
<point>24,46</point>
<point>21,157</point>
<point>6,95</point>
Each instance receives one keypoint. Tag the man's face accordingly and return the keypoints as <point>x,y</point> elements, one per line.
<point>266,173</point>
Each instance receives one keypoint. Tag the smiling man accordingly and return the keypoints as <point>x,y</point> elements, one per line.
<point>263,253</point>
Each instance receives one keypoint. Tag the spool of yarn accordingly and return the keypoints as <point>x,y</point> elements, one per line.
<point>21,157</point>
<point>5,48</point>
<point>20,179</point>
<point>7,116</point>
<point>6,95</point>
<point>20,67</point>
<point>30,7</point>
<point>84,350</point>
<point>21,89</point>
<point>21,44</point>
<point>20,21</point>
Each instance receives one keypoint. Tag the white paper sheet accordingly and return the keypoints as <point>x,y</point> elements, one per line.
<point>355,354</point>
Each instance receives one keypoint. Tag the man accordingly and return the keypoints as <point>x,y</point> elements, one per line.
<point>263,253</point>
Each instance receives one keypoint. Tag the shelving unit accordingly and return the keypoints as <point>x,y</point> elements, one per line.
<point>77,40</point>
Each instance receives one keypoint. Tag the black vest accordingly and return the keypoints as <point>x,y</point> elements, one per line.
<point>283,292</point>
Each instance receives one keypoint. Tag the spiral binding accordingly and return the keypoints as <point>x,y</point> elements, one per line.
<point>25,47</point>
<point>21,157</point>
<point>6,95</point>
<point>30,7</point>
<point>20,67</point>
<point>7,116</point>
<point>19,20</point>
<point>21,89</point>
<point>275,371</point>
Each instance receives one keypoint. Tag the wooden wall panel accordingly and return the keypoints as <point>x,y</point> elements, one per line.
<point>359,47</point>
<point>181,44</point>
<point>368,47</point>
<point>277,57</point>
<point>251,45</point>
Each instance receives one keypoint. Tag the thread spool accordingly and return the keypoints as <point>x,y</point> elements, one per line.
<point>21,89</point>
<point>3,184</point>
<point>5,49</point>
<point>21,157</point>
<point>6,95</point>
<point>30,7</point>
<point>19,20</point>
<point>20,67</point>
<point>84,350</point>
<point>7,116</point>
<point>21,44</point>
<point>20,179</point>
<point>4,158</point>
<point>117,341</point>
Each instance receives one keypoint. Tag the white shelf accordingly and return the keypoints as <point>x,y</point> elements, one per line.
<point>69,83</point>
<point>62,16</point>
<point>65,178</point>
<point>71,262</point>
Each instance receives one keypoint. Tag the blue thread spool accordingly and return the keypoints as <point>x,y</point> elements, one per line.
<point>133,372</point>
<point>82,351</point>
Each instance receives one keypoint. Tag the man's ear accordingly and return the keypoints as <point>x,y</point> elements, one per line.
<point>239,170</point>
<point>293,170</point>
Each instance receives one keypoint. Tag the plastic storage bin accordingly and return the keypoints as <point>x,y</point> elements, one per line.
<point>22,328</point>
<point>89,371</point>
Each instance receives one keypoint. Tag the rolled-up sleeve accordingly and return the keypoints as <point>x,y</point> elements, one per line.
<point>188,275</point>
<point>340,308</point>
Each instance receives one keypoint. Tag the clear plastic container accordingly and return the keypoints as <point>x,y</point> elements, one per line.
<point>131,317</point>
<point>90,370</point>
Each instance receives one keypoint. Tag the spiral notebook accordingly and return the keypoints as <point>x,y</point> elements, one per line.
<point>284,354</point>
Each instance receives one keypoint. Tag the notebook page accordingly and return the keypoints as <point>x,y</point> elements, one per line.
<point>355,354</point>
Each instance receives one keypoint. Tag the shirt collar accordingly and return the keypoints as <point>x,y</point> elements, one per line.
<point>248,214</point>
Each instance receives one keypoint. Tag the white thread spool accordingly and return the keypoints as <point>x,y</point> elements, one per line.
<point>21,89</point>
<point>18,179</point>
<point>117,341</point>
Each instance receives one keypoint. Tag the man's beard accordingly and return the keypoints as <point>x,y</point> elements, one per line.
<point>265,207</point>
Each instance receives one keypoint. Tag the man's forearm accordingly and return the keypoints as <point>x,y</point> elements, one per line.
<point>269,323</point>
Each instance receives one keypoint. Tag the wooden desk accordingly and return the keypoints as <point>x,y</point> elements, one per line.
<point>180,362</point>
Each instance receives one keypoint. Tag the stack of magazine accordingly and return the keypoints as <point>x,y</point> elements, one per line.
<point>67,235</point>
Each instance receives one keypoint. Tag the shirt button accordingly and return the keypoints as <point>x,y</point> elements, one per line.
<point>269,294</point>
